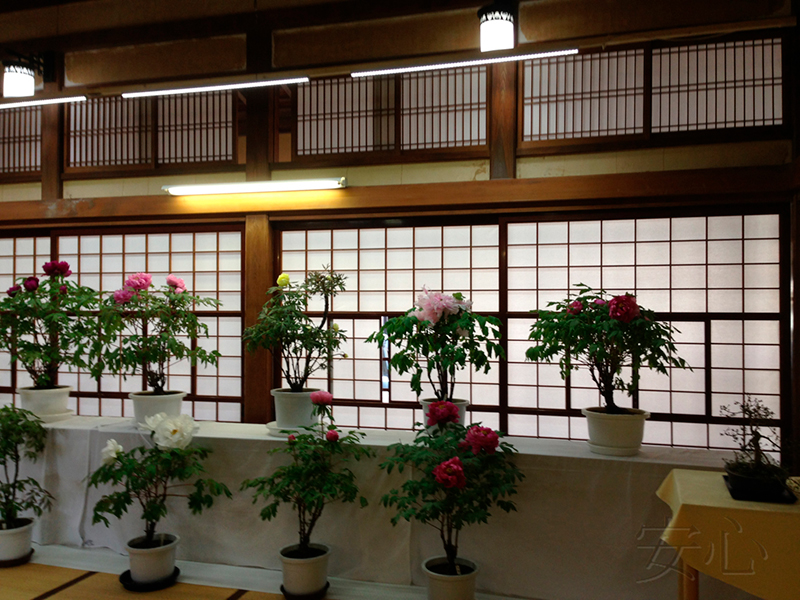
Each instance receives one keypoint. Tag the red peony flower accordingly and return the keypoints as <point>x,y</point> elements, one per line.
<point>575,307</point>
<point>482,438</point>
<point>31,284</point>
<point>442,412</point>
<point>63,289</point>
<point>451,474</point>
<point>322,397</point>
<point>332,435</point>
<point>291,439</point>
<point>623,308</point>
<point>55,268</point>
<point>14,290</point>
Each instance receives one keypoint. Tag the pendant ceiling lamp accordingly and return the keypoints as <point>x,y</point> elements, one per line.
<point>497,26</point>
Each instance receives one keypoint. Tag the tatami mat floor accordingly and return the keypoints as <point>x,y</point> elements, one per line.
<point>61,573</point>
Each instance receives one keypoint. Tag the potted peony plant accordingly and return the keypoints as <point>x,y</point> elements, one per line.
<point>149,476</point>
<point>458,475</point>
<point>753,474</point>
<point>305,348</point>
<point>443,331</point>
<point>146,328</point>
<point>21,436</point>
<point>605,335</point>
<point>45,323</point>
<point>316,476</point>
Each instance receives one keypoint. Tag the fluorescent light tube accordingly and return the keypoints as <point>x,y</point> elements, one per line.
<point>42,102</point>
<point>464,63</point>
<point>215,88</point>
<point>250,187</point>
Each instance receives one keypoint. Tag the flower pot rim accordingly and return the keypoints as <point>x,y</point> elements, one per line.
<point>599,412</point>
<point>442,559</point>
<point>150,394</point>
<point>289,390</point>
<point>28,524</point>
<point>455,401</point>
<point>30,388</point>
<point>174,540</point>
<point>324,547</point>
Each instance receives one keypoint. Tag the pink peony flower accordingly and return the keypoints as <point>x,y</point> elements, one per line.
<point>291,439</point>
<point>575,307</point>
<point>123,296</point>
<point>432,306</point>
<point>623,308</point>
<point>14,290</point>
<point>442,412</point>
<point>178,284</point>
<point>31,284</point>
<point>451,474</point>
<point>55,268</point>
<point>322,397</point>
<point>139,281</point>
<point>599,301</point>
<point>332,435</point>
<point>482,438</point>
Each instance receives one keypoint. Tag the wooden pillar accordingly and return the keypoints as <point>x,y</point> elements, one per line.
<point>503,121</point>
<point>259,277</point>
<point>688,582</point>
<point>262,127</point>
<point>53,138</point>
<point>790,407</point>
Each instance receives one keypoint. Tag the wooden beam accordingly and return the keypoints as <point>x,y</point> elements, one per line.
<point>257,366</point>
<point>503,121</point>
<point>702,186</point>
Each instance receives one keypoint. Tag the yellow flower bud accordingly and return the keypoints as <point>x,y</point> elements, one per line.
<point>283,280</point>
<point>335,327</point>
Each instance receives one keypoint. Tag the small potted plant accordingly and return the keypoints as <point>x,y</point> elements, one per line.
<point>149,476</point>
<point>45,323</point>
<point>144,328</point>
<point>604,335</point>
<point>315,476</point>
<point>21,436</point>
<point>458,475</point>
<point>442,331</point>
<point>305,347</point>
<point>753,474</point>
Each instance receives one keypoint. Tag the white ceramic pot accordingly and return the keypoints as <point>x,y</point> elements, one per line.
<point>44,403</point>
<point>16,543</point>
<point>303,576</point>
<point>615,435</point>
<point>460,404</point>
<point>294,409</point>
<point>149,565</point>
<point>145,404</point>
<point>450,587</point>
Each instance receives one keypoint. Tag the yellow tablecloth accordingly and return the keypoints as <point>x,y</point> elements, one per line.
<point>754,546</point>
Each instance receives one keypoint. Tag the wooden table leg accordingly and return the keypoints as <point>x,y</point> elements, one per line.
<point>688,582</point>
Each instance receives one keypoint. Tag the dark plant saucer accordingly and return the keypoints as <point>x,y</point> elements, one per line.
<point>783,496</point>
<point>318,595</point>
<point>15,562</point>
<point>130,585</point>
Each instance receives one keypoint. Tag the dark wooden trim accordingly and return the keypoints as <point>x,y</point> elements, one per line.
<point>632,190</point>
<point>381,157</point>
<point>502,117</point>
<point>791,398</point>
<point>147,170</point>
<point>29,177</point>
<point>257,366</point>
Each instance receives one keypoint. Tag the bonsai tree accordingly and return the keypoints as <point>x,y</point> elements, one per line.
<point>316,475</point>
<point>458,475</point>
<point>21,436</point>
<point>283,326</point>
<point>47,322</point>
<point>145,328</point>
<point>151,475</point>
<point>604,334</point>
<point>754,440</point>
<point>443,331</point>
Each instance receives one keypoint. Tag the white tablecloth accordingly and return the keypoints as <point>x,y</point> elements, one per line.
<point>586,526</point>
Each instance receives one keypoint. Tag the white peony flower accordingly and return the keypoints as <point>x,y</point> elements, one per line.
<point>152,421</point>
<point>173,432</point>
<point>109,453</point>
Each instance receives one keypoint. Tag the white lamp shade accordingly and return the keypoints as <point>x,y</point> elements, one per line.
<point>18,82</point>
<point>497,32</point>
